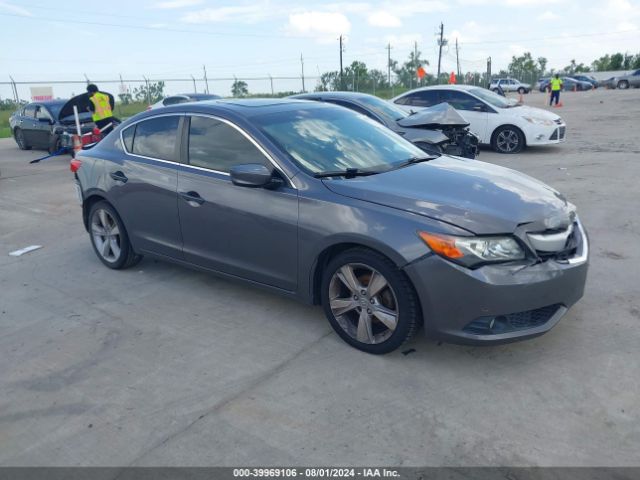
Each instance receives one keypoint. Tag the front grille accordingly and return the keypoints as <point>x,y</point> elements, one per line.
<point>512,322</point>
<point>562,130</point>
<point>568,250</point>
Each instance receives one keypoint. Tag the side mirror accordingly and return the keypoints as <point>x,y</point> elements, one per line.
<point>251,175</point>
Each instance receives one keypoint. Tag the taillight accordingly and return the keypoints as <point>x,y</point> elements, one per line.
<point>75,165</point>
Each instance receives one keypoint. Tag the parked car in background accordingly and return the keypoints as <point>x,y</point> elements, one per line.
<point>509,85</point>
<point>608,83</point>
<point>586,78</point>
<point>434,130</point>
<point>542,80</point>
<point>318,203</point>
<point>498,121</point>
<point>568,84</point>
<point>183,98</point>
<point>41,124</point>
<point>625,81</point>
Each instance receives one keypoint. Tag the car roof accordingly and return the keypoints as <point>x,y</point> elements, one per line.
<point>241,107</point>
<point>442,87</point>
<point>336,95</point>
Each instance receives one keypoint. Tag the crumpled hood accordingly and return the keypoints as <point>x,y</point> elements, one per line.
<point>442,114</point>
<point>477,196</point>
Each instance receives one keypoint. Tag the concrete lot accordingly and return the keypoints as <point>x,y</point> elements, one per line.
<point>160,365</point>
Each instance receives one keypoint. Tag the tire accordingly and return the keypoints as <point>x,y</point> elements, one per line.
<point>508,139</point>
<point>376,322</point>
<point>521,91</point>
<point>430,148</point>
<point>109,237</point>
<point>22,143</point>
<point>496,90</point>
<point>623,84</point>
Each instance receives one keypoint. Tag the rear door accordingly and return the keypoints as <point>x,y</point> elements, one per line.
<point>246,232</point>
<point>143,182</point>
<point>27,124</point>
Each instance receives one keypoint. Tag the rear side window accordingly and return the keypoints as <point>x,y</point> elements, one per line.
<point>156,138</point>
<point>425,98</point>
<point>127,137</point>
<point>355,108</point>
<point>218,146</point>
<point>30,110</point>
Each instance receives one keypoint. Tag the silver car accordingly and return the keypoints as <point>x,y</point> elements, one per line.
<point>626,81</point>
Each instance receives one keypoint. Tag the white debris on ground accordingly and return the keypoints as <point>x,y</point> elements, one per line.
<point>22,251</point>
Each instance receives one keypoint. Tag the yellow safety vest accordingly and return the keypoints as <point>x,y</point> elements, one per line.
<point>102,106</point>
<point>556,84</point>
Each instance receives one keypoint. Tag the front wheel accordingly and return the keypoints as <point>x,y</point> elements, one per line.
<point>623,84</point>
<point>109,237</point>
<point>521,91</point>
<point>369,302</point>
<point>507,139</point>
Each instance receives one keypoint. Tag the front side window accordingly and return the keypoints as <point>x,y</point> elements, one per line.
<point>327,139</point>
<point>41,113</point>
<point>218,146</point>
<point>156,138</point>
<point>459,100</point>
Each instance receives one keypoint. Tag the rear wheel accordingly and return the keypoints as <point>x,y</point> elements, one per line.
<point>521,91</point>
<point>109,237</point>
<point>22,143</point>
<point>623,84</point>
<point>369,301</point>
<point>507,139</point>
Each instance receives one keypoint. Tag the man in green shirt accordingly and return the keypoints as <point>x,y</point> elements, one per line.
<point>556,86</point>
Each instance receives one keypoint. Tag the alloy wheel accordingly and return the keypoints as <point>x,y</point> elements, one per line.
<point>363,303</point>
<point>106,236</point>
<point>507,141</point>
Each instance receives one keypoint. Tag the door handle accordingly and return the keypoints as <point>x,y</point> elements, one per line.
<point>119,176</point>
<point>193,198</point>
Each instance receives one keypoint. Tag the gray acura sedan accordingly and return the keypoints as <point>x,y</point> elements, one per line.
<point>322,204</point>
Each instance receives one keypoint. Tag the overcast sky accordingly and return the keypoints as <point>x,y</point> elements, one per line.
<point>175,38</point>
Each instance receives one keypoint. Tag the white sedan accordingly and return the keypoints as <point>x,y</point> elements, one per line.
<point>498,121</point>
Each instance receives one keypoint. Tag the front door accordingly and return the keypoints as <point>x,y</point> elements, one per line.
<point>472,110</point>
<point>250,233</point>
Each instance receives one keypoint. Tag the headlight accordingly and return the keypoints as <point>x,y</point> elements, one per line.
<point>539,121</point>
<point>471,251</point>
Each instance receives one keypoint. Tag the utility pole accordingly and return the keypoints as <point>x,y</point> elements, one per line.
<point>341,74</point>
<point>488,70</point>
<point>195,90</point>
<point>389,63</point>
<point>302,66</point>
<point>457,58</point>
<point>271,80</point>
<point>415,61</point>
<point>15,89</point>
<point>440,42</point>
<point>206,81</point>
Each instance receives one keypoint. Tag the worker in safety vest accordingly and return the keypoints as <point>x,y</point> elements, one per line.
<point>556,86</point>
<point>101,106</point>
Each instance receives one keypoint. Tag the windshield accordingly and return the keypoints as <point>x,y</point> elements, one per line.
<point>383,108</point>
<point>493,98</point>
<point>328,139</point>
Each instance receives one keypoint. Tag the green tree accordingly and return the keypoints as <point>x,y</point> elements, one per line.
<point>542,65</point>
<point>328,81</point>
<point>239,88</point>
<point>617,61</point>
<point>407,73</point>
<point>152,92</point>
